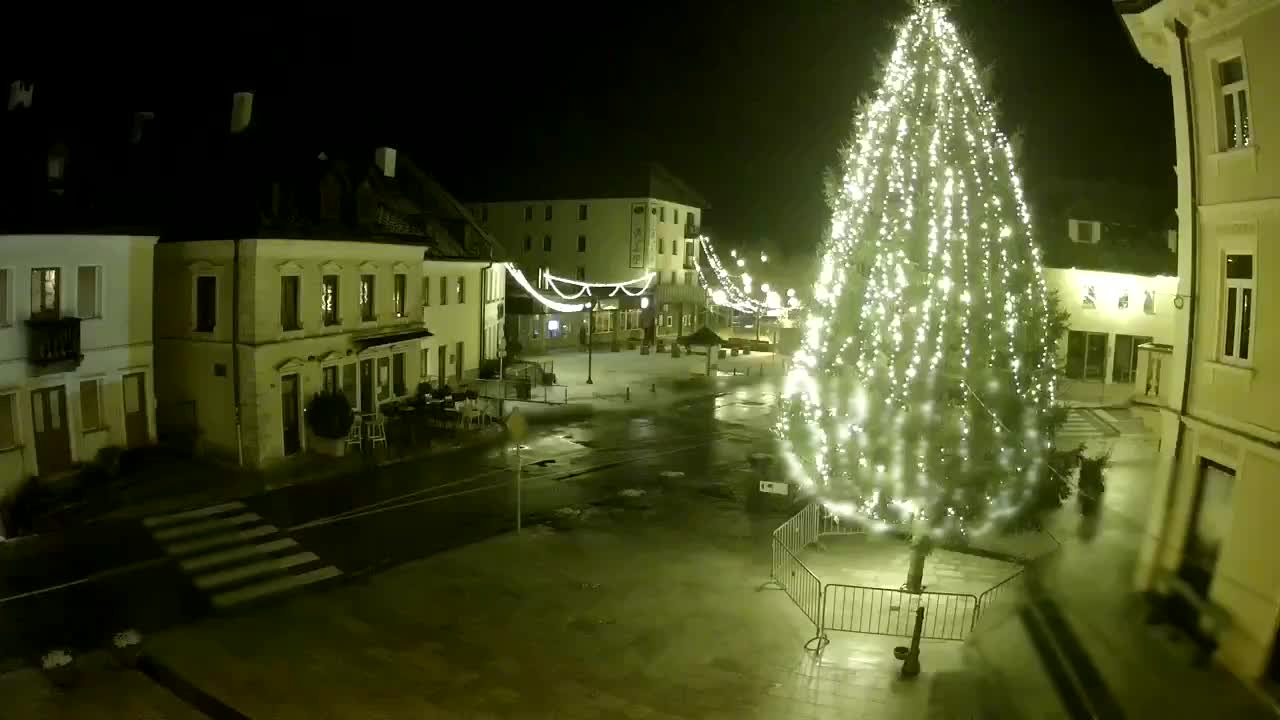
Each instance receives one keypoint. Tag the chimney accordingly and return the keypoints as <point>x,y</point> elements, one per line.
<point>20,94</point>
<point>386,159</point>
<point>241,111</point>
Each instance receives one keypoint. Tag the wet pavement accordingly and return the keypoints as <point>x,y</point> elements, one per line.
<point>75,589</point>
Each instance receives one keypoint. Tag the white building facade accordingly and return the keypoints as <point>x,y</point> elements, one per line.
<point>311,315</point>
<point>463,309</point>
<point>1212,525</point>
<point>76,370</point>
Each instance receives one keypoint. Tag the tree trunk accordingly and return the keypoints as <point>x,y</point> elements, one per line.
<point>915,575</point>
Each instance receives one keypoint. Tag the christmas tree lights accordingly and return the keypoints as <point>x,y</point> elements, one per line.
<point>922,390</point>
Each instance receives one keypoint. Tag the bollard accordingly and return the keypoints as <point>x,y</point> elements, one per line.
<point>628,393</point>
<point>911,665</point>
<point>735,372</point>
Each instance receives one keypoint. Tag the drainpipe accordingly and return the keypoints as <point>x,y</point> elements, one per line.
<point>1194,222</point>
<point>235,346</point>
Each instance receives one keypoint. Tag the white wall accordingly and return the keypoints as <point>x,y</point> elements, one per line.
<point>1106,316</point>
<point>114,344</point>
<point>454,322</point>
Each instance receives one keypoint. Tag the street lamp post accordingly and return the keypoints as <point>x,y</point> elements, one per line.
<point>591,329</point>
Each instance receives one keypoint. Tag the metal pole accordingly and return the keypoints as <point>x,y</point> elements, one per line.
<point>911,664</point>
<point>519,490</point>
<point>591,330</point>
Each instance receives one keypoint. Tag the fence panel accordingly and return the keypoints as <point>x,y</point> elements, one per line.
<point>1000,596</point>
<point>799,583</point>
<point>802,529</point>
<point>880,611</point>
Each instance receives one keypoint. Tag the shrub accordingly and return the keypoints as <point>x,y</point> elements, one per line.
<point>489,369</point>
<point>424,389</point>
<point>329,414</point>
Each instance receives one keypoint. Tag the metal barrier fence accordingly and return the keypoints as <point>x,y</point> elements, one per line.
<point>523,391</point>
<point>879,611</point>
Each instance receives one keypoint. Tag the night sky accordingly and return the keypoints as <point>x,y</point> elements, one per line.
<point>746,101</point>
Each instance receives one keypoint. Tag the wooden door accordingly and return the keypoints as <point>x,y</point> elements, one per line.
<point>136,433</point>
<point>49,426</point>
<point>290,414</point>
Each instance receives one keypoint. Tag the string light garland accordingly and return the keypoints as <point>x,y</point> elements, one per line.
<point>731,291</point>
<point>533,292</point>
<point>630,288</point>
<point>923,379</point>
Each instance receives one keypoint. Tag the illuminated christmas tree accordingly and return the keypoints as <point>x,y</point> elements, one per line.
<point>923,392</point>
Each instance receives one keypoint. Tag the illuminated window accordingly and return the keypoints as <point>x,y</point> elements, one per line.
<point>1149,302</point>
<point>1090,298</point>
<point>329,299</point>
<point>1123,303</point>
<point>461,289</point>
<point>399,289</point>
<point>1235,103</point>
<point>46,294</point>
<point>366,298</point>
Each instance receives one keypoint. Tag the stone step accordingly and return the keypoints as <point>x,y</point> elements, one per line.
<point>273,586</point>
<point>215,541</point>
<point>204,526</point>
<point>159,520</point>
<point>223,557</point>
<point>252,570</point>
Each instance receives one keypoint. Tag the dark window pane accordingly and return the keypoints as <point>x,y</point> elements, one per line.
<point>1246,308</point>
<point>206,303</point>
<point>1229,345</point>
<point>1231,71</point>
<point>1240,267</point>
<point>1229,107</point>
<point>289,302</point>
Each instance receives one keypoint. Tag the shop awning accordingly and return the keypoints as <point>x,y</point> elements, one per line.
<point>389,337</point>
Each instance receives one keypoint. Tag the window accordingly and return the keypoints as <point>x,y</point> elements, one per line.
<point>206,303</point>
<point>1149,302</point>
<point>662,214</point>
<point>1123,302</point>
<point>582,273</point>
<point>423,363</point>
<point>329,299</point>
<point>5,317</point>
<point>546,243</point>
<point>88,289</point>
<point>1086,355</point>
<point>546,212</point>
<point>46,291</point>
<point>1089,300</point>
<point>1237,321</point>
<point>329,378</point>
<point>582,243</point>
<point>367,313</point>
<point>8,422</point>
<point>1124,367</point>
<point>528,213</point>
<point>1235,103</point>
<point>582,211</point>
<point>397,374</point>
<point>462,289</point>
<point>673,277</point>
<point>349,386</point>
<point>662,244</point>
<point>528,243</point>
<point>675,248</point>
<point>444,289</point>
<point>675,216</point>
<point>398,290</point>
<point>384,378</point>
<point>289,319</point>
<point>1210,525</point>
<point>90,404</point>
<point>426,290</point>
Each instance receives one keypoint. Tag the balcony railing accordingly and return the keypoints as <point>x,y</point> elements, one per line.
<point>54,340</point>
<point>1151,381</point>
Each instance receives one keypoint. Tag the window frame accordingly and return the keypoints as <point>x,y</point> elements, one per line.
<point>14,421</point>
<point>58,291</point>
<point>327,369</point>
<point>583,213</point>
<point>546,212</point>
<point>460,290</point>
<point>444,290</point>
<point>400,295</point>
<point>582,243</point>
<point>1232,93</point>
<point>7,275</point>
<point>297,301</point>
<point>97,292</point>
<point>195,303</point>
<point>1236,322</point>
<point>372,297</point>
<point>546,243</point>
<point>331,317</point>
<point>528,213</point>
<point>96,382</point>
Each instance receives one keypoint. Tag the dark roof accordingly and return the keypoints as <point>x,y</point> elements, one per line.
<point>593,180</point>
<point>1129,7</point>
<point>704,337</point>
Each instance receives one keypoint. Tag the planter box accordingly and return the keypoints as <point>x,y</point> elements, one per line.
<point>333,447</point>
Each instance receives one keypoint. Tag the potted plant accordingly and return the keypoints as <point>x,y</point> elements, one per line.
<point>1091,482</point>
<point>329,416</point>
<point>60,667</point>
<point>126,647</point>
